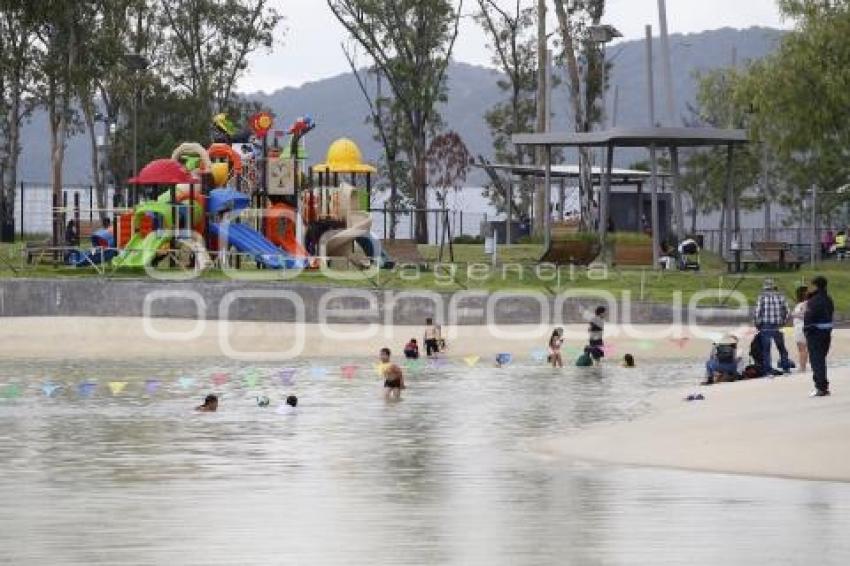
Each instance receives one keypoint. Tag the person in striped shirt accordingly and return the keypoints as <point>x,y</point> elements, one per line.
<point>596,331</point>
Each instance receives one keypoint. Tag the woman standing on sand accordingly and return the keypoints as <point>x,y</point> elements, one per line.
<point>797,316</point>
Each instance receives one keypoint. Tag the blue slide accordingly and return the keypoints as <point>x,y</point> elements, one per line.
<point>251,242</point>
<point>368,246</point>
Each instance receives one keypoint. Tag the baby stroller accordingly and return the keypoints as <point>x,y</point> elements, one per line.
<point>689,259</point>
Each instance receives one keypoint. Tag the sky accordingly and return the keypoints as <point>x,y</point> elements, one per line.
<point>307,47</point>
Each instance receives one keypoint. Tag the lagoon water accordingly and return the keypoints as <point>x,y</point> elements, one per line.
<point>449,475</point>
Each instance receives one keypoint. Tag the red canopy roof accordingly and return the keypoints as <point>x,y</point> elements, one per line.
<point>163,172</point>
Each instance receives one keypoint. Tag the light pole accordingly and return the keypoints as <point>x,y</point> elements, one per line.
<point>136,63</point>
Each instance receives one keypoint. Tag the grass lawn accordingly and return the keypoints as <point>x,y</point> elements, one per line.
<point>516,271</point>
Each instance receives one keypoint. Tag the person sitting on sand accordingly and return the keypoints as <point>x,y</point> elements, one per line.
<point>210,404</point>
<point>393,377</point>
<point>411,350</point>
<point>722,364</point>
<point>555,343</point>
<point>628,361</point>
<point>586,359</point>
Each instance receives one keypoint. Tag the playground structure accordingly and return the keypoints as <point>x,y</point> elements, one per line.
<point>245,198</point>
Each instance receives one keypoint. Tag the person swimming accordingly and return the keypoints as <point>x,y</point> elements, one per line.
<point>210,404</point>
<point>411,350</point>
<point>393,377</point>
<point>289,407</point>
<point>628,361</point>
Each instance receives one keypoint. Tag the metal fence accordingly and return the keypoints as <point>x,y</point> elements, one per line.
<point>34,206</point>
<point>461,223</point>
<point>799,238</point>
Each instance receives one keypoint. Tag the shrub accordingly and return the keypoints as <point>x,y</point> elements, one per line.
<point>629,238</point>
<point>467,239</point>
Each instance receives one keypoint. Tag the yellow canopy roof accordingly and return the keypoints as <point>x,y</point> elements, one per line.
<point>344,157</point>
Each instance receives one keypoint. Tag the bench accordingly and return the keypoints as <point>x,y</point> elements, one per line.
<point>403,251</point>
<point>632,255</point>
<point>769,254</point>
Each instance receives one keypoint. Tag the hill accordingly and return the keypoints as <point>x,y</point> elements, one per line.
<point>339,109</point>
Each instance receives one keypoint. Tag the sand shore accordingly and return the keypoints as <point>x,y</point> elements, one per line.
<point>760,427</point>
<point>105,338</point>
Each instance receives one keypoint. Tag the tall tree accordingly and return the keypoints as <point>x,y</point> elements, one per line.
<point>512,43</point>
<point>585,89</point>
<point>209,42</point>
<point>17,29</point>
<point>410,43</point>
<point>799,98</point>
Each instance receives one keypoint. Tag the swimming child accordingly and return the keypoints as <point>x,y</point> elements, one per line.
<point>288,408</point>
<point>628,361</point>
<point>555,343</point>
<point>411,350</point>
<point>210,404</point>
<point>393,378</point>
<point>586,359</point>
<point>595,331</point>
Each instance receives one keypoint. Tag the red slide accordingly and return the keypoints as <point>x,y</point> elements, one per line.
<point>279,228</point>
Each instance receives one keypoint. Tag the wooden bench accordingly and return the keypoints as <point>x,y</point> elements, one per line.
<point>768,254</point>
<point>633,254</point>
<point>403,251</point>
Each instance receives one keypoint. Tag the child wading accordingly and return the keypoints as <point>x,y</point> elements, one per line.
<point>432,337</point>
<point>393,377</point>
<point>555,343</point>
<point>596,331</point>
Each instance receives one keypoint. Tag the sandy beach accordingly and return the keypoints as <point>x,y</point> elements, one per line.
<point>759,427</point>
<point>110,338</point>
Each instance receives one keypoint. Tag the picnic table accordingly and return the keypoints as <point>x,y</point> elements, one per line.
<point>768,254</point>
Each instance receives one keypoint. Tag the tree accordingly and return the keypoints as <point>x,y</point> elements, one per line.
<point>410,43</point>
<point>585,93</point>
<point>385,118</point>
<point>17,29</point>
<point>209,42</point>
<point>799,97</point>
<point>511,40</point>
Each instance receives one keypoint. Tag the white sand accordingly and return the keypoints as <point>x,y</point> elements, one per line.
<point>760,427</point>
<point>104,338</point>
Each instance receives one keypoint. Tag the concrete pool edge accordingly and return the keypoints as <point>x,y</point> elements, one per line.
<point>298,302</point>
<point>760,428</point>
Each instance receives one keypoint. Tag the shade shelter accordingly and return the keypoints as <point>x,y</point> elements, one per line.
<point>651,138</point>
<point>628,178</point>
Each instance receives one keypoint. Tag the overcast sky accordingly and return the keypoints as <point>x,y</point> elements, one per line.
<point>308,45</point>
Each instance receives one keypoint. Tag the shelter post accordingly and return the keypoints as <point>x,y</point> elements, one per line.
<point>604,212</point>
<point>730,198</point>
<point>653,159</point>
<point>547,190</point>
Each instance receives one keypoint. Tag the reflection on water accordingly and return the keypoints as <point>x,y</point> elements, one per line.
<point>446,476</point>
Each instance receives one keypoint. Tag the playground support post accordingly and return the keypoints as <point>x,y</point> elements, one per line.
<point>730,199</point>
<point>656,243</point>
<point>604,196</point>
<point>547,201</point>
<point>814,227</point>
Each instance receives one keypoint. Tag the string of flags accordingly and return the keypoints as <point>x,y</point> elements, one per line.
<point>252,378</point>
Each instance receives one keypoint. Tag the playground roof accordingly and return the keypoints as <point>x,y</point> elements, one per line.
<point>163,172</point>
<point>637,137</point>
<point>618,176</point>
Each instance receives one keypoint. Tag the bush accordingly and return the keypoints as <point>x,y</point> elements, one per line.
<point>526,240</point>
<point>579,237</point>
<point>466,239</point>
<point>629,238</point>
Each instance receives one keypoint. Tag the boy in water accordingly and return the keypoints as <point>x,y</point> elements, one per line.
<point>586,359</point>
<point>432,337</point>
<point>393,378</point>
<point>595,331</point>
<point>210,405</point>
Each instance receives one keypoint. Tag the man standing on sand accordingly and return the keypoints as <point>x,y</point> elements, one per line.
<point>817,326</point>
<point>770,316</point>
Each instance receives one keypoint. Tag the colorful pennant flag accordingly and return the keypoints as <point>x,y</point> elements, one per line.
<point>539,355</point>
<point>220,379</point>
<point>50,389</point>
<point>151,386</point>
<point>472,361</point>
<point>11,391</point>
<point>116,387</point>
<point>349,371</point>
<point>287,376</point>
<point>86,388</point>
<point>186,382</point>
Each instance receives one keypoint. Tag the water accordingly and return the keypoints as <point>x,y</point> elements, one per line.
<point>449,475</point>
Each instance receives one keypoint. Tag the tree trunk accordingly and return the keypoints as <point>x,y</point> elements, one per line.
<point>9,177</point>
<point>540,193</point>
<point>420,188</point>
<point>97,172</point>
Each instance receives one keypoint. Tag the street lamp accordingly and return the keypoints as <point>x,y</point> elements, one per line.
<point>136,63</point>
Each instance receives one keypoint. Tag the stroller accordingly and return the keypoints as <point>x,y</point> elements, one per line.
<point>689,259</point>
